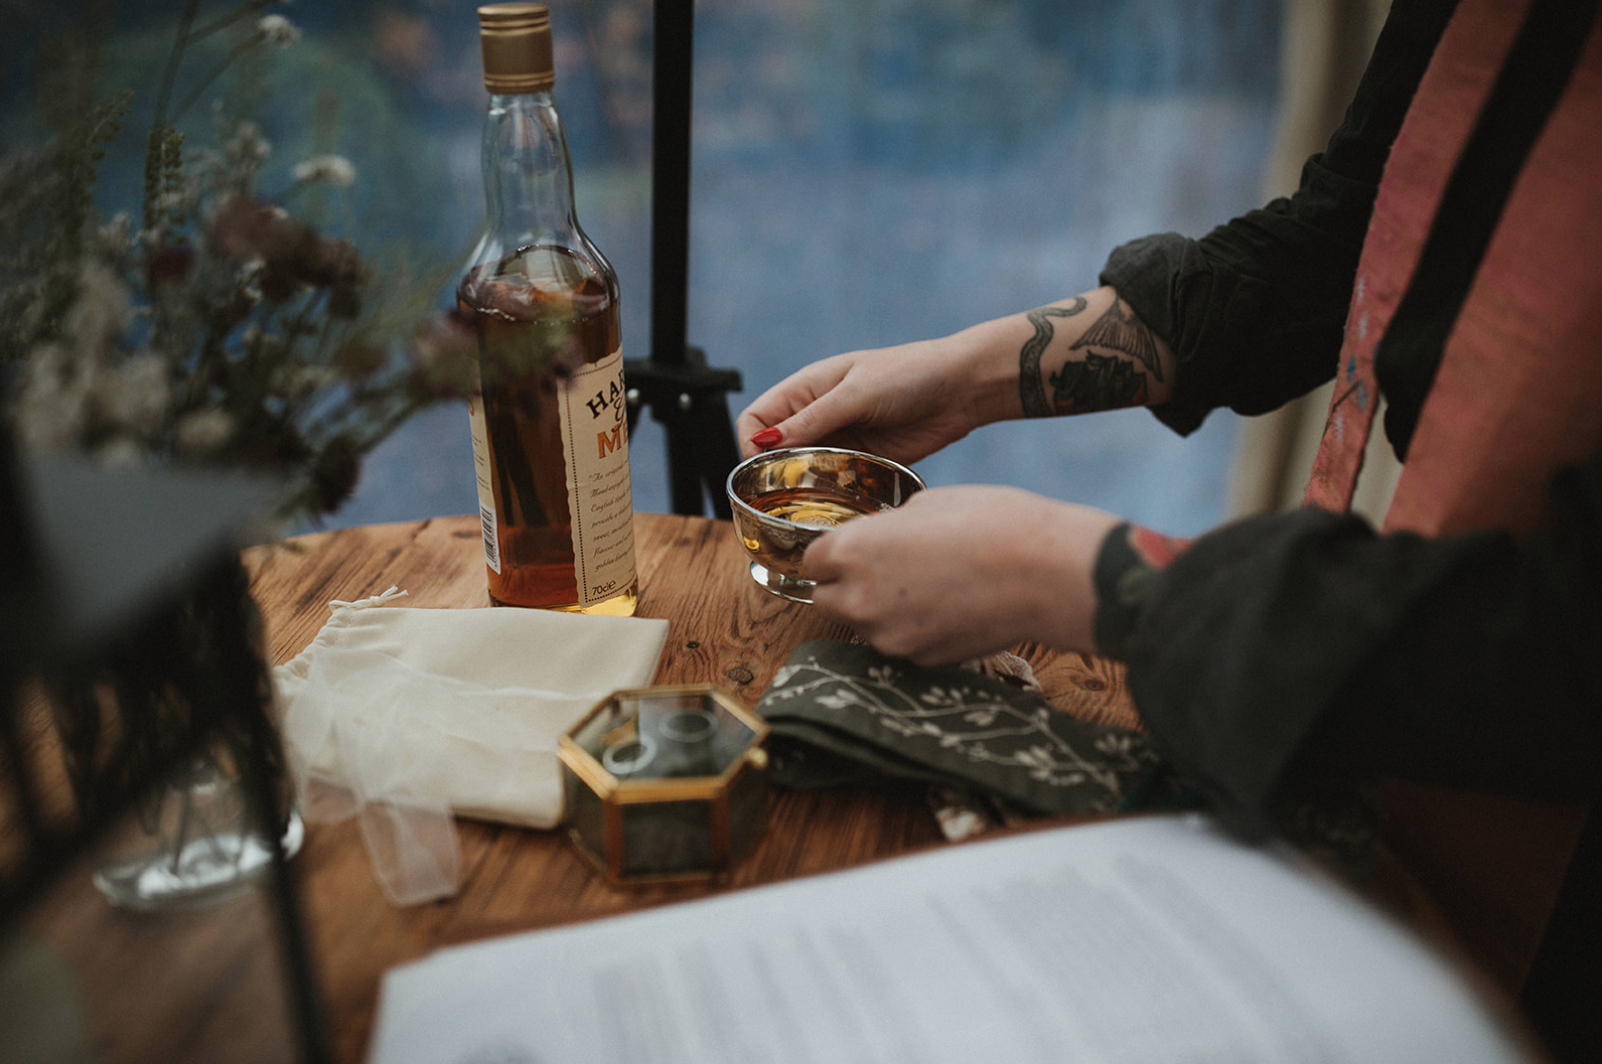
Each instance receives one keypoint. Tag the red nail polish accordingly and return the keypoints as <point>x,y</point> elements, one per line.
<point>767,437</point>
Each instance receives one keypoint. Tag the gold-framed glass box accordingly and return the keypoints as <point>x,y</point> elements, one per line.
<point>665,783</point>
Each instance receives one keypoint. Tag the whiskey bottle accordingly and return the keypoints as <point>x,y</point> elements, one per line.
<point>550,432</point>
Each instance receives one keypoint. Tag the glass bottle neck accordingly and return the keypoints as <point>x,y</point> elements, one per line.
<point>528,180</point>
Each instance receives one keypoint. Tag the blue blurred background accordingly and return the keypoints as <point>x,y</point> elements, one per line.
<point>865,172</point>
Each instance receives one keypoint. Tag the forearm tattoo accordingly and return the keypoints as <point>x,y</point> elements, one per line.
<point>1120,330</point>
<point>1126,566</point>
<point>1097,381</point>
<point>1030,388</point>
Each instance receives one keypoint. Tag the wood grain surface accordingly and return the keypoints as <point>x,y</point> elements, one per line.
<point>203,986</point>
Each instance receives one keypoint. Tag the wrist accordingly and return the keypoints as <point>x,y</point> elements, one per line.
<point>1127,564</point>
<point>987,354</point>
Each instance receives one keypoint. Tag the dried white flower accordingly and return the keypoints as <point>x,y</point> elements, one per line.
<point>328,169</point>
<point>171,201</point>
<point>135,395</point>
<point>200,432</point>
<point>247,144</point>
<point>116,236</point>
<point>278,29</point>
<point>305,380</point>
<point>249,281</point>
<point>53,398</point>
<point>123,452</point>
<point>99,315</point>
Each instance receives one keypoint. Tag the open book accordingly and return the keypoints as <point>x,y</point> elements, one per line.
<point>1141,940</point>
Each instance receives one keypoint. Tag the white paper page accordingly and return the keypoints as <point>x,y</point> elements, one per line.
<point>1143,940</point>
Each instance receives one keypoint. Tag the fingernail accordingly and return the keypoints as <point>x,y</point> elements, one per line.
<point>767,437</point>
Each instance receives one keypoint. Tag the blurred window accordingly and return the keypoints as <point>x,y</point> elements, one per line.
<point>866,172</point>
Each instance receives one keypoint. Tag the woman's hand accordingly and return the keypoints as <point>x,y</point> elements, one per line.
<point>959,572</point>
<point>902,403</point>
<point>1085,353</point>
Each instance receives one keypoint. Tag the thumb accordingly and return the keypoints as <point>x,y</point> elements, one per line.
<point>818,564</point>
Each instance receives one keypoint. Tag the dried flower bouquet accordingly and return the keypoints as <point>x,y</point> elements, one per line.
<point>218,326</point>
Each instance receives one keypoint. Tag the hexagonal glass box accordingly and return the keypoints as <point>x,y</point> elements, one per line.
<point>665,783</point>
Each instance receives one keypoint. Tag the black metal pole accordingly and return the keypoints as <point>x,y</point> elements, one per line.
<point>688,398</point>
<point>674,22</point>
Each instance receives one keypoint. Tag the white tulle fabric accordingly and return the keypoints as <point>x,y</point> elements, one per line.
<point>404,717</point>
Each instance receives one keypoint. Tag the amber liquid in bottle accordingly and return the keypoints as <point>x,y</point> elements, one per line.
<point>543,318</point>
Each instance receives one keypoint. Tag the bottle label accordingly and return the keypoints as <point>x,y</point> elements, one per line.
<point>595,432</point>
<point>486,494</point>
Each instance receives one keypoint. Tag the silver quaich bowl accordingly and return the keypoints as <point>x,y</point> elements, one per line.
<point>783,500</point>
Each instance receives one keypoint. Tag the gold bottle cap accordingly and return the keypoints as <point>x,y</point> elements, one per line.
<point>516,41</point>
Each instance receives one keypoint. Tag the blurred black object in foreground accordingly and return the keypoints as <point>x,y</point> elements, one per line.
<point>127,647</point>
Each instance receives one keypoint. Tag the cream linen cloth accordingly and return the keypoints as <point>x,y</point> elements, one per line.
<point>402,717</point>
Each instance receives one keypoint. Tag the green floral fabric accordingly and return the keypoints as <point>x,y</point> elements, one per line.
<point>843,713</point>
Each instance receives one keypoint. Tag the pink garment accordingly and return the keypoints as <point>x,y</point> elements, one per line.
<point>1518,395</point>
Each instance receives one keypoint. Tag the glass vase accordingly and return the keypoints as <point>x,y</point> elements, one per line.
<point>198,843</point>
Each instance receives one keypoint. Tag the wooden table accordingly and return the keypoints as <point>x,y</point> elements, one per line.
<point>205,986</point>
